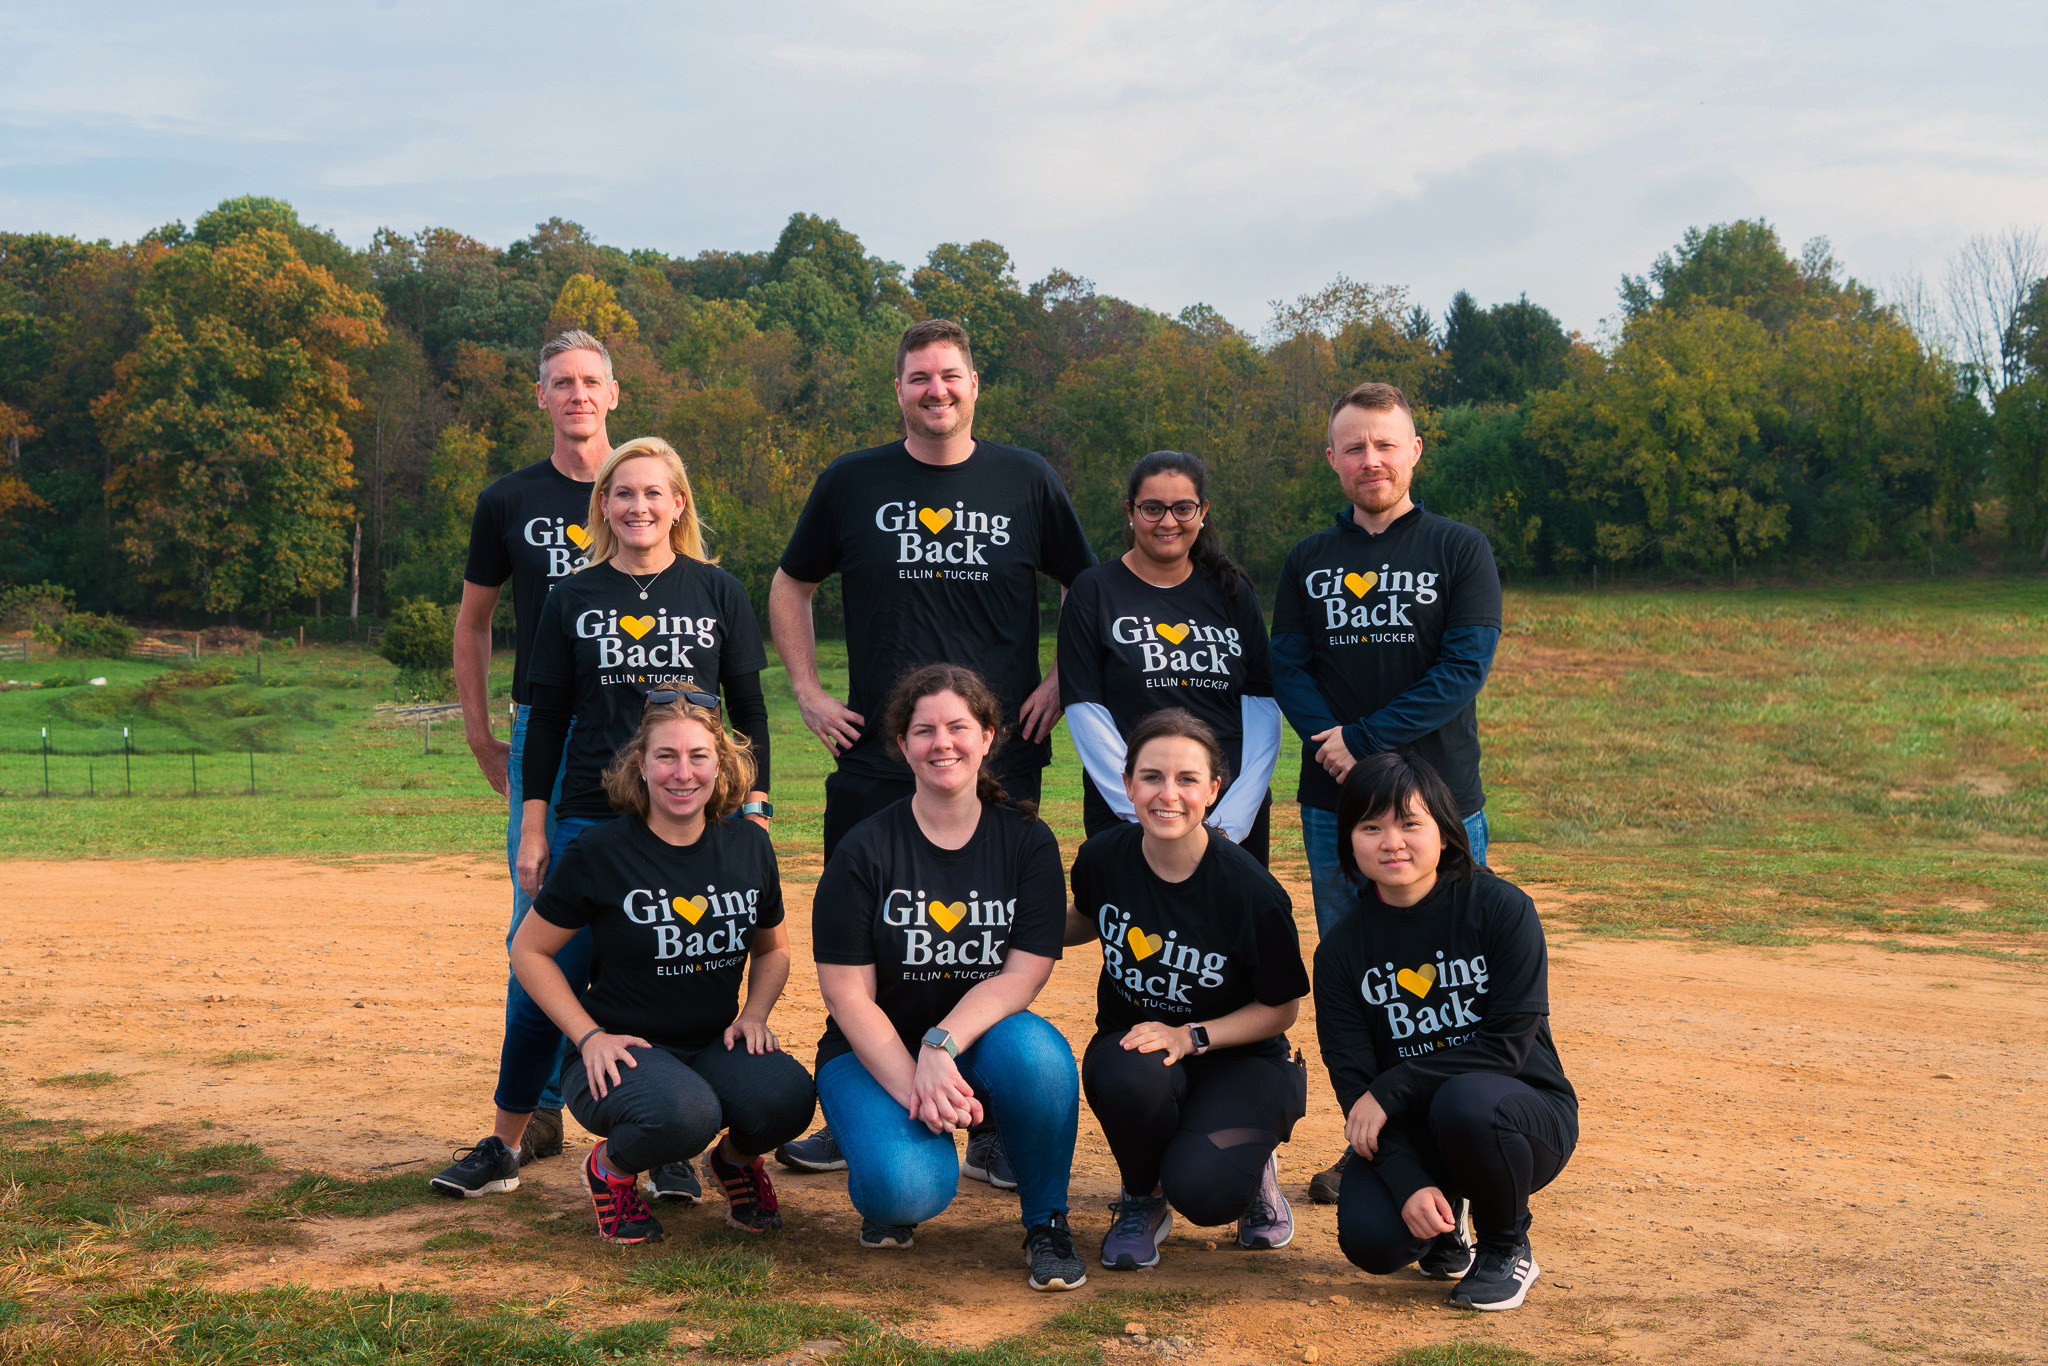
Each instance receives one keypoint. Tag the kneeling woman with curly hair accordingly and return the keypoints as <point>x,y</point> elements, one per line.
<point>681,903</point>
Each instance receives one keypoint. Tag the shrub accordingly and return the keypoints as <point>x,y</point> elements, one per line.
<point>88,635</point>
<point>420,638</point>
<point>32,605</point>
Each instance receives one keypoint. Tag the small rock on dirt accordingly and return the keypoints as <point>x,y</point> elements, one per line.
<point>1340,1300</point>
<point>1310,1353</point>
<point>1208,1247</point>
<point>1135,1329</point>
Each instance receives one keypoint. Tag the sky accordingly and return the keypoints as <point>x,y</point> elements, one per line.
<point>1174,153</point>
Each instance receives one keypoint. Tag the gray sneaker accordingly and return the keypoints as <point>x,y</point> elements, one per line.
<point>1138,1225</point>
<point>1049,1252</point>
<point>987,1160</point>
<point>1269,1223</point>
<point>818,1153</point>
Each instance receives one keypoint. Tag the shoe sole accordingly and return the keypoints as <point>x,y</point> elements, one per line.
<point>1125,1263</point>
<point>1515,1302</point>
<point>890,1244</point>
<point>1444,1273</point>
<point>773,1224</point>
<point>982,1174</point>
<point>798,1164</point>
<point>672,1197</point>
<point>453,1190</point>
<point>654,1237</point>
<point>1057,1283</point>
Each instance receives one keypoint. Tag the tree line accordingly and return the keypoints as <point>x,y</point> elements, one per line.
<point>250,418</point>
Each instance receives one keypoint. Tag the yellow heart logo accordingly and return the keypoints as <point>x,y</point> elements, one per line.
<point>935,519</point>
<point>578,537</point>
<point>1418,982</point>
<point>1360,584</point>
<point>1175,634</point>
<point>691,908</point>
<point>1143,945</point>
<point>947,916</point>
<point>636,627</point>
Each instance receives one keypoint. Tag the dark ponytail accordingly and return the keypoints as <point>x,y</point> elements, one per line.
<point>1207,551</point>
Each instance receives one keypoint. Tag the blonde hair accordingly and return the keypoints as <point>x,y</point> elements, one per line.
<point>625,780</point>
<point>685,537</point>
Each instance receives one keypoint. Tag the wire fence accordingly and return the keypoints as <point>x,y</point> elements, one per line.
<point>120,772</point>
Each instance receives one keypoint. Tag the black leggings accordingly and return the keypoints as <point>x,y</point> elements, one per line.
<point>1200,1130</point>
<point>1489,1139</point>
<point>675,1101</point>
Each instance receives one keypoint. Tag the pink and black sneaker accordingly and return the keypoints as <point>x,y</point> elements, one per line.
<point>750,1203</point>
<point>622,1216</point>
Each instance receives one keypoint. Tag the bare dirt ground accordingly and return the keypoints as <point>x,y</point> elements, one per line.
<point>1827,1153</point>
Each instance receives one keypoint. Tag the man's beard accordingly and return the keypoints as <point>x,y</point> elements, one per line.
<point>920,424</point>
<point>1386,498</point>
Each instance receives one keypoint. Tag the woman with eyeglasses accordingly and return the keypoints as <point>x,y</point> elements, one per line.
<point>681,905</point>
<point>650,620</point>
<point>1170,623</point>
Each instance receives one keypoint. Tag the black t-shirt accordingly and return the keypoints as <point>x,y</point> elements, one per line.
<point>528,528</point>
<point>938,564</point>
<point>934,921</point>
<point>671,926</point>
<point>1374,610</point>
<point>695,630</point>
<point>1407,998</point>
<point>1187,952</point>
<point>1136,649</point>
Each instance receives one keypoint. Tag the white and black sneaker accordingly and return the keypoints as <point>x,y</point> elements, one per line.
<point>675,1181</point>
<point>485,1169</point>
<point>1499,1278</point>
<point>877,1235</point>
<point>1449,1255</point>
<point>1049,1252</point>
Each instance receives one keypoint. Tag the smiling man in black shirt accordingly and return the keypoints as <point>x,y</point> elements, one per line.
<point>938,540</point>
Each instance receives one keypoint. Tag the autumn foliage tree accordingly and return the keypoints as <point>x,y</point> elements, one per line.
<point>225,422</point>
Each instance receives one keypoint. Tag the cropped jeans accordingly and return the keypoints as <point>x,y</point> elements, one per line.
<point>900,1172</point>
<point>1336,897</point>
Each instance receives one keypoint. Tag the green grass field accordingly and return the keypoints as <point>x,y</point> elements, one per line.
<point>1738,765</point>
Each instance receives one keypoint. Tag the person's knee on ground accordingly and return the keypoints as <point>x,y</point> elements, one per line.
<point>1212,1178</point>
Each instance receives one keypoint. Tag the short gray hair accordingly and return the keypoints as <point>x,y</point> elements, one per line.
<point>575,339</point>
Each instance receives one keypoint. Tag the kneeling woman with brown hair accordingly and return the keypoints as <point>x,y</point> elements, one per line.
<point>1188,1072</point>
<point>679,901</point>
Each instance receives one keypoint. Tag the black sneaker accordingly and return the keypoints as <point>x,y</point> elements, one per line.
<point>1449,1255</point>
<point>485,1169</point>
<point>1324,1185</point>
<point>750,1203</point>
<point>675,1181</point>
<point>818,1153</point>
<point>873,1234</point>
<point>987,1161</point>
<point>543,1136</point>
<point>1049,1251</point>
<point>1499,1279</point>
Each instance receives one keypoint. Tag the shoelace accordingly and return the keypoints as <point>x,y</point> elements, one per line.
<point>1133,1218</point>
<point>751,1186</point>
<point>1056,1234</point>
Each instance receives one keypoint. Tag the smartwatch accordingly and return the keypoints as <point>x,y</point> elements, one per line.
<point>936,1037</point>
<point>1200,1037</point>
<point>765,809</point>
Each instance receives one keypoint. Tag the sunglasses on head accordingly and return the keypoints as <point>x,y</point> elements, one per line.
<point>661,697</point>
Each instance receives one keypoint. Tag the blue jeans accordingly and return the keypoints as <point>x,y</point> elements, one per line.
<point>551,1095</point>
<point>1334,896</point>
<point>899,1172</point>
<point>530,1061</point>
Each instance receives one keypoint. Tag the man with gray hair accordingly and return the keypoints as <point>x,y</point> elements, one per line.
<point>530,529</point>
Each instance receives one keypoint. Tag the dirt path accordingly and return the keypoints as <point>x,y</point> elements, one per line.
<point>1789,1155</point>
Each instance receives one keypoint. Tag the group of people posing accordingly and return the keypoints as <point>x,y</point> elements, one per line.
<point>648,922</point>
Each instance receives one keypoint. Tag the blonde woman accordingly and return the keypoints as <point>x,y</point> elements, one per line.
<point>651,618</point>
<point>680,904</point>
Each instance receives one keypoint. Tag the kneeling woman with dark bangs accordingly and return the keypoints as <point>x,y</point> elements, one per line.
<point>1433,1009</point>
<point>681,903</point>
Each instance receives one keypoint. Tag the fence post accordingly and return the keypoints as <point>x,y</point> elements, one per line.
<point>427,746</point>
<point>127,761</point>
<point>46,761</point>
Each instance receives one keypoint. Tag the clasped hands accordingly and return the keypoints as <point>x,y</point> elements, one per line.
<point>940,1098</point>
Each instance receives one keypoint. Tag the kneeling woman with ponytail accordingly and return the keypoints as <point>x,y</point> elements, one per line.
<point>1433,1008</point>
<point>1188,1072</point>
<point>680,903</point>
<point>935,926</point>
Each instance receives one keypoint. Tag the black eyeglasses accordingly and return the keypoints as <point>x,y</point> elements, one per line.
<point>1152,510</point>
<point>661,697</point>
